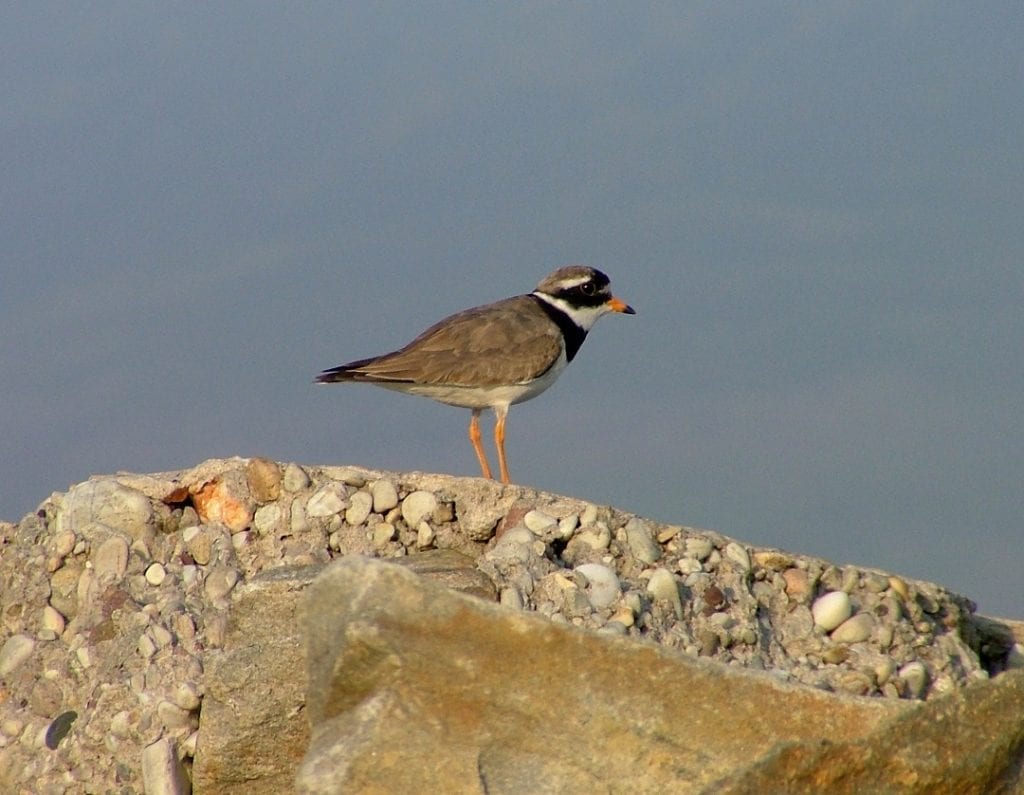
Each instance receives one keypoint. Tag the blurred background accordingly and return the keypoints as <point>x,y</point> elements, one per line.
<point>815,208</point>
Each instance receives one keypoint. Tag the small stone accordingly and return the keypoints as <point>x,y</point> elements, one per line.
<point>295,478</point>
<point>162,636</point>
<point>385,495</point>
<point>773,560</point>
<point>854,630</point>
<point>884,671</point>
<point>15,651</point>
<point>110,560</point>
<point>52,620</point>
<point>689,566</point>
<point>602,584</point>
<point>360,505</point>
<point>510,597</point>
<point>417,507</point>
<point>641,541</point>
<point>267,519</point>
<point>11,727</point>
<point>1015,657</point>
<point>624,615</point>
<point>538,522</point>
<point>64,543</point>
<point>424,536</point>
<point>698,547</point>
<point>84,655</point>
<point>875,583</point>
<point>199,546</point>
<point>224,499</point>
<point>146,646</point>
<point>326,501</point>
<point>915,679</point>
<point>666,534</point>
<point>597,536</point>
<point>162,773</point>
<point>835,654</point>
<point>155,574</point>
<point>709,642</point>
<point>264,479</point>
<point>831,610</point>
<point>851,579</point>
<point>738,555</point>
<point>63,587</point>
<point>567,526</point>
<point>186,697</point>
<point>59,728</point>
<point>219,583</point>
<point>121,724</point>
<point>899,587</point>
<point>383,533</point>
<point>663,585</point>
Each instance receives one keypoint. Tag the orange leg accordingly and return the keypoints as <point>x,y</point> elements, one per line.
<point>478,448</point>
<point>499,441</point>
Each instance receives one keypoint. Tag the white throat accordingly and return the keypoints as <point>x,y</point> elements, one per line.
<point>583,316</point>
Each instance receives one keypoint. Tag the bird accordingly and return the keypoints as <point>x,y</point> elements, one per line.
<point>496,355</point>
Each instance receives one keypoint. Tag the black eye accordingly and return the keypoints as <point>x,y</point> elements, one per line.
<point>588,288</point>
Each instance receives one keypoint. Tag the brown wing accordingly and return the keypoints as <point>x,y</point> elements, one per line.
<point>507,342</point>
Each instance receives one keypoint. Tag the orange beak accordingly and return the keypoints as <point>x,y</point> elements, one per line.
<point>618,305</point>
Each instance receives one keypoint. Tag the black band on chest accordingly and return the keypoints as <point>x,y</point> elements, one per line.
<point>572,333</point>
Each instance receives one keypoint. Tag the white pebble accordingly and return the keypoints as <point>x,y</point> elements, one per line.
<point>185,696</point>
<point>538,521</point>
<point>52,619</point>
<point>597,536</point>
<point>663,585</point>
<point>155,574</point>
<point>854,630</point>
<point>641,541</point>
<point>602,584</point>
<point>16,650</point>
<point>162,774</point>
<point>738,555</point>
<point>294,478</point>
<point>266,518</point>
<point>831,610</point>
<point>698,547</point>
<point>359,506</point>
<point>915,678</point>
<point>424,536</point>
<point>383,533</point>
<point>567,526</point>
<point>418,506</point>
<point>385,496</point>
<point>111,559</point>
<point>326,501</point>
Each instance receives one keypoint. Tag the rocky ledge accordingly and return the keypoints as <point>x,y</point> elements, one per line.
<point>240,627</point>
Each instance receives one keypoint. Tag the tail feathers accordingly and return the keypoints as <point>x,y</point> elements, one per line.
<point>353,371</point>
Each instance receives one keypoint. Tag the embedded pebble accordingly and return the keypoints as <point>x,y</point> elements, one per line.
<point>663,585</point>
<point>326,501</point>
<point>567,526</point>
<point>295,478</point>
<point>155,574</point>
<point>418,506</point>
<point>162,774</point>
<point>15,651</point>
<point>602,584</point>
<point>385,495</point>
<point>360,505</point>
<point>52,620</point>
<point>538,521</point>
<point>855,629</point>
<point>510,597</point>
<point>641,542</point>
<point>64,543</point>
<point>199,545</point>
<point>698,547</point>
<point>915,678</point>
<point>111,559</point>
<point>267,518</point>
<point>424,536</point>
<point>219,583</point>
<point>383,533</point>
<point>738,555</point>
<point>773,560</point>
<point>596,537</point>
<point>831,610</point>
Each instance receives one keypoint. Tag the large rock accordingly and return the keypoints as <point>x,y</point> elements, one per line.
<point>415,688</point>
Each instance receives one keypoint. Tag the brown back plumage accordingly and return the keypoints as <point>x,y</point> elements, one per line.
<point>492,345</point>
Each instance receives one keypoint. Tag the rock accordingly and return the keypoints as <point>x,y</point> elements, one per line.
<point>359,507</point>
<point>107,504</point>
<point>641,541</point>
<point>854,630</point>
<point>382,645</point>
<point>738,555</point>
<point>225,499</point>
<point>538,522</point>
<point>831,610</point>
<point>385,495</point>
<point>15,652</point>
<point>264,478</point>
<point>326,501</point>
<point>601,583</point>
<point>417,507</point>
<point>110,561</point>
<point>294,479</point>
<point>663,585</point>
<point>162,773</point>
